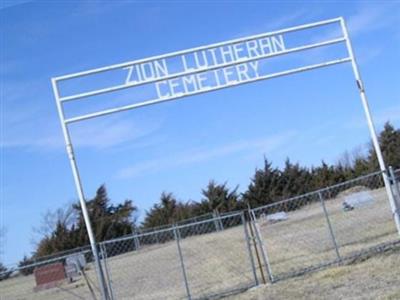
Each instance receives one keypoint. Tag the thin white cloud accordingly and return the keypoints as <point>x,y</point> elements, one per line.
<point>112,132</point>
<point>7,3</point>
<point>194,156</point>
<point>31,143</point>
<point>391,114</point>
<point>366,19</point>
<point>369,18</point>
<point>274,24</point>
<point>100,135</point>
<point>369,54</point>
<point>288,19</point>
<point>34,125</point>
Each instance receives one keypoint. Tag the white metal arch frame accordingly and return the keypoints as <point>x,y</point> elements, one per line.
<point>65,122</point>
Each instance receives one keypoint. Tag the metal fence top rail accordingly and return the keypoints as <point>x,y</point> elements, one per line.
<point>193,220</point>
<point>202,217</point>
<point>172,227</point>
<point>63,253</point>
<point>181,52</point>
<point>313,193</point>
<point>47,261</point>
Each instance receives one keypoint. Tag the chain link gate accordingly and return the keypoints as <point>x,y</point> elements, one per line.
<point>328,226</point>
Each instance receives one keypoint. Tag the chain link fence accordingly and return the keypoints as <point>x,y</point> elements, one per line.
<point>213,255</point>
<point>195,261</point>
<point>48,278</point>
<point>326,226</point>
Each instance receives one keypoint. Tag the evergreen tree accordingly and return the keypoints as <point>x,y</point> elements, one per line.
<point>294,180</point>
<point>264,187</point>
<point>4,272</point>
<point>218,197</point>
<point>24,267</point>
<point>389,140</point>
<point>108,221</point>
<point>361,166</point>
<point>61,239</point>
<point>323,176</point>
<point>163,213</point>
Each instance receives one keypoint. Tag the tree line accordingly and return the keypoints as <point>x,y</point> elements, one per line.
<point>65,229</point>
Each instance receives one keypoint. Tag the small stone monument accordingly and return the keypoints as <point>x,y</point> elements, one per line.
<point>275,217</point>
<point>49,276</point>
<point>356,200</point>
<point>74,264</point>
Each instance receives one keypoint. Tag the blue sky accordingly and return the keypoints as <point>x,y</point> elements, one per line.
<point>177,146</point>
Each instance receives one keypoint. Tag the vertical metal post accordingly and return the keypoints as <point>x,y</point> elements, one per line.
<point>396,189</point>
<point>221,225</point>
<point>157,239</point>
<point>371,126</point>
<point>79,188</point>
<point>330,227</point>
<point>247,237</point>
<point>177,238</point>
<point>253,238</point>
<point>136,241</point>
<point>263,250</point>
<point>216,222</point>
<point>106,269</point>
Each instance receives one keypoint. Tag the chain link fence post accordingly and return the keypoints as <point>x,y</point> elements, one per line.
<point>216,221</point>
<point>262,246</point>
<point>177,238</point>
<point>136,240</point>
<point>254,242</point>
<point>221,225</point>
<point>248,242</point>
<point>332,235</point>
<point>103,252</point>
<point>396,193</point>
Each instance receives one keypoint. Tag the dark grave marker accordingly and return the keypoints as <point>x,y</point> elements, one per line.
<point>49,276</point>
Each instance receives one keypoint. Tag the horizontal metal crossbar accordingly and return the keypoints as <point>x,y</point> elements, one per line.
<point>194,71</point>
<point>170,98</point>
<point>181,52</point>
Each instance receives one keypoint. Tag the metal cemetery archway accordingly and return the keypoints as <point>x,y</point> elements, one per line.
<point>200,70</point>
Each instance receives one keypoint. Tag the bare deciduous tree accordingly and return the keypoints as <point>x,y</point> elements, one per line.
<point>65,216</point>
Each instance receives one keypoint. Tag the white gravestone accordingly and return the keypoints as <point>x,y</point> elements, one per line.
<point>357,200</point>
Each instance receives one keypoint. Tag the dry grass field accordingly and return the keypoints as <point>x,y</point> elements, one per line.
<point>376,278</point>
<point>304,240</point>
<point>219,262</point>
<point>21,288</point>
